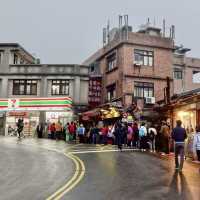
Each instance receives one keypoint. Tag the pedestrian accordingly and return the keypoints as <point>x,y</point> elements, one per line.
<point>66,128</point>
<point>110,136</point>
<point>129,136</point>
<point>81,133</point>
<point>196,144</point>
<point>58,127</point>
<point>20,127</point>
<point>39,130</point>
<point>165,135</point>
<point>49,130</point>
<point>142,136</point>
<point>94,134</point>
<point>104,132</point>
<point>124,132</point>
<point>152,137</point>
<point>135,135</point>
<point>179,135</point>
<point>53,130</point>
<point>119,135</point>
<point>72,131</point>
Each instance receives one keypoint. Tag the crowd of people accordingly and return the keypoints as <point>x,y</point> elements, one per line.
<point>141,136</point>
<point>152,137</point>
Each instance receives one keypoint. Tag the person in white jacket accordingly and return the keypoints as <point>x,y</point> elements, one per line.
<point>196,144</point>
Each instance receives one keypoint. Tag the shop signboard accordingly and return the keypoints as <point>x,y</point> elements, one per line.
<point>38,104</point>
<point>94,95</point>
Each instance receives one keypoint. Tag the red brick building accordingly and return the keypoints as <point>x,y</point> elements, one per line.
<point>186,71</point>
<point>135,66</point>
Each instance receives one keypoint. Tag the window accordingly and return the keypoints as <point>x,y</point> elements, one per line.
<point>92,68</point>
<point>142,89</point>
<point>196,77</point>
<point>111,92</point>
<point>1,57</point>
<point>24,87</point>
<point>178,74</point>
<point>60,87</point>
<point>111,62</point>
<point>15,59</point>
<point>144,58</point>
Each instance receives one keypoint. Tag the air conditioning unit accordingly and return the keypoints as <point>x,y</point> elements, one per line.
<point>150,100</point>
<point>136,64</point>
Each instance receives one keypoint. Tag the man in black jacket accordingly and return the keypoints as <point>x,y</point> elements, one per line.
<point>179,135</point>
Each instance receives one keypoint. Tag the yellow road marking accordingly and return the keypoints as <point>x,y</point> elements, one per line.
<point>80,177</point>
<point>76,178</point>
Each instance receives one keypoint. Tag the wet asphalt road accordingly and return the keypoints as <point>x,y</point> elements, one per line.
<point>31,173</point>
<point>134,176</point>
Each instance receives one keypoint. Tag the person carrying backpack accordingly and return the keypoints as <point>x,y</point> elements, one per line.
<point>196,144</point>
<point>142,136</point>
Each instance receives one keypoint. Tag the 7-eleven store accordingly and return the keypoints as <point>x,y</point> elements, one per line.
<point>34,111</point>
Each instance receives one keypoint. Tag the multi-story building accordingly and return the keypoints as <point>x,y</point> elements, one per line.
<point>186,71</point>
<point>135,66</point>
<point>47,89</point>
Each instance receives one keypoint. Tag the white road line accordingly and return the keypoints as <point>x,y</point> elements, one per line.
<point>100,151</point>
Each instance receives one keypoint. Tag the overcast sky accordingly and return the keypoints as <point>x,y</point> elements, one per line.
<point>64,31</point>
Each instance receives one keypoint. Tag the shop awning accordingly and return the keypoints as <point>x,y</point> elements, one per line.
<point>41,104</point>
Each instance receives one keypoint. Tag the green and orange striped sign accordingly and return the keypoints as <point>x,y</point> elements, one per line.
<point>45,104</point>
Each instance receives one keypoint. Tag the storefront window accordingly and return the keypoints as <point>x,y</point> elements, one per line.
<point>188,119</point>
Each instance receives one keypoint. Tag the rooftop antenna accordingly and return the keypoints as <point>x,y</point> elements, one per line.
<point>148,21</point>
<point>126,25</point>
<point>108,31</point>
<point>104,36</point>
<point>120,27</point>
<point>173,31</point>
<point>154,21</point>
<point>164,27</point>
<point>170,32</point>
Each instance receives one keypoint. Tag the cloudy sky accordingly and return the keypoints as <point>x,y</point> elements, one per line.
<point>64,31</point>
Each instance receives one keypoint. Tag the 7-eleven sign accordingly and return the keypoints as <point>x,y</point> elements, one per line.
<point>13,103</point>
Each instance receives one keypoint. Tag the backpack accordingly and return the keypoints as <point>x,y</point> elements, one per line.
<point>141,132</point>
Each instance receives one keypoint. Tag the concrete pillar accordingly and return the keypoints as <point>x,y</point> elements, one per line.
<point>76,96</point>
<point>3,128</point>
<point>42,118</point>
<point>4,87</point>
<point>43,87</point>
